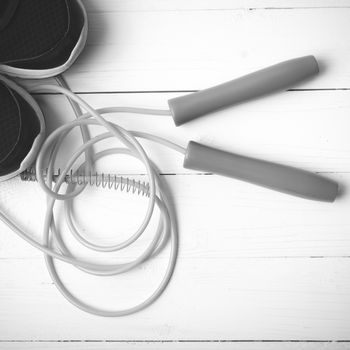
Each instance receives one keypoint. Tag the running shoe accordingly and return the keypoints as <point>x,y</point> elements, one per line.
<point>40,38</point>
<point>22,129</point>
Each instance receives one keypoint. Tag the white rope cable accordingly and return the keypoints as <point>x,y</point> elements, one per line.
<point>53,245</point>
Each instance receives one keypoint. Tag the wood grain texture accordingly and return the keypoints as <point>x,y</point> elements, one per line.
<point>218,218</point>
<point>177,345</point>
<point>191,48</point>
<point>200,5</point>
<point>257,269</point>
<point>304,129</point>
<point>226,298</point>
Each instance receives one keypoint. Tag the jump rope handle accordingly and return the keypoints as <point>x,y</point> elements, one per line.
<point>277,77</point>
<point>278,177</point>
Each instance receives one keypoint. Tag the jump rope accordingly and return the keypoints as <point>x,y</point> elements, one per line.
<point>196,156</point>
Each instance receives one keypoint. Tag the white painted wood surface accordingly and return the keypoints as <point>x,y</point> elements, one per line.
<point>256,269</point>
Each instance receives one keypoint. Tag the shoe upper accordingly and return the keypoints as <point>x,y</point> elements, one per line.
<point>21,125</point>
<point>39,34</point>
<point>10,122</point>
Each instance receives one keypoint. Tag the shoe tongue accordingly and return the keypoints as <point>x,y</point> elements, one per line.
<point>7,10</point>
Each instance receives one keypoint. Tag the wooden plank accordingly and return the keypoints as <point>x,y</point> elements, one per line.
<point>222,299</point>
<point>175,345</point>
<point>254,265</point>
<point>200,5</point>
<point>189,50</point>
<point>218,218</point>
<point>305,129</point>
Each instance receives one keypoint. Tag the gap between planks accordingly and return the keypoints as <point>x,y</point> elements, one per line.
<point>169,91</point>
<point>177,341</point>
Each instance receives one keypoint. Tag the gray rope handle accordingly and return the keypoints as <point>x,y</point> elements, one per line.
<point>278,177</point>
<point>277,77</point>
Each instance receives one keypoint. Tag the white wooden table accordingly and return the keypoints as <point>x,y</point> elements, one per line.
<point>256,269</point>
